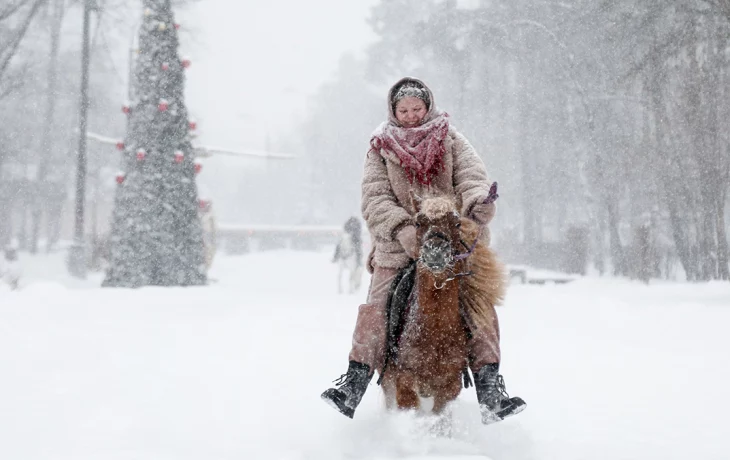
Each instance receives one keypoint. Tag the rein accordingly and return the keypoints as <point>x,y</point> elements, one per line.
<point>451,278</point>
<point>470,249</point>
<point>491,198</point>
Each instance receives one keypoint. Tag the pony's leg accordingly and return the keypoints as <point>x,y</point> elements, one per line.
<point>353,280</point>
<point>357,276</point>
<point>388,386</point>
<point>405,392</point>
<point>443,396</point>
<point>442,425</point>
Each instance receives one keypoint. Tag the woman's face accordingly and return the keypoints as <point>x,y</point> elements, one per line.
<point>410,111</point>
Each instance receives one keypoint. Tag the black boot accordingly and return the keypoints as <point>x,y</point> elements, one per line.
<point>494,402</point>
<point>352,387</point>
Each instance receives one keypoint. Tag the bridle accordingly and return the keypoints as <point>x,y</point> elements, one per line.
<point>455,257</point>
<point>451,258</point>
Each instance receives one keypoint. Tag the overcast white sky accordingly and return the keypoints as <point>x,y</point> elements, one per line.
<point>255,62</point>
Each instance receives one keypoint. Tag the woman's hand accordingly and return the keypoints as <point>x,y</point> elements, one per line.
<point>408,239</point>
<point>483,213</point>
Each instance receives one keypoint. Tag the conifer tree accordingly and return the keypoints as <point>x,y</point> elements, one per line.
<point>156,235</point>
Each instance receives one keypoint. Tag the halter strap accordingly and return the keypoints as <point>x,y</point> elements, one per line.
<point>471,248</point>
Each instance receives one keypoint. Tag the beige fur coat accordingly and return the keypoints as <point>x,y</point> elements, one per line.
<point>386,205</point>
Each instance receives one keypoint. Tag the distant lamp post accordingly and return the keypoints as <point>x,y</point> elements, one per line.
<point>77,253</point>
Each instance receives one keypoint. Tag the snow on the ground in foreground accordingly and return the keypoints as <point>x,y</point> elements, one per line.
<point>609,369</point>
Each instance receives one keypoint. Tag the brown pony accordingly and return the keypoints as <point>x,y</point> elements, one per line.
<point>433,345</point>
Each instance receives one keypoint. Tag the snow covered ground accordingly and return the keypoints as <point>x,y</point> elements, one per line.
<point>609,369</point>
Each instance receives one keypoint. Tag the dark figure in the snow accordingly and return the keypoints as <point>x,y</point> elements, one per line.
<point>348,254</point>
<point>416,150</point>
<point>10,268</point>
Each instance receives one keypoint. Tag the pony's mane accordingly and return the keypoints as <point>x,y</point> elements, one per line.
<point>487,286</point>
<point>437,207</point>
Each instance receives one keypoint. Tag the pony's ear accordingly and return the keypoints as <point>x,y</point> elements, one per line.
<point>416,200</point>
<point>459,202</point>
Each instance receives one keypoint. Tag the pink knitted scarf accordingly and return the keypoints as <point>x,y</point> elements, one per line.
<point>420,149</point>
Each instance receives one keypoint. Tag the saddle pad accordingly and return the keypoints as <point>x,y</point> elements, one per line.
<point>397,306</point>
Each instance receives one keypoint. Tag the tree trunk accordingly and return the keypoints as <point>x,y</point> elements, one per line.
<point>681,242</point>
<point>6,208</point>
<point>707,246</point>
<point>722,245</point>
<point>529,219</point>
<point>41,195</point>
<point>617,251</point>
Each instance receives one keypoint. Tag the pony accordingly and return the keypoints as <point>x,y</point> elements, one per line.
<point>458,280</point>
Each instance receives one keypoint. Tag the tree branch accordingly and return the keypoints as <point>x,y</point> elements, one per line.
<point>12,9</point>
<point>12,48</point>
<point>664,51</point>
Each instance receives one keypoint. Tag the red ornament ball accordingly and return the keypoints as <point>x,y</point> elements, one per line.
<point>141,154</point>
<point>126,109</point>
<point>120,145</point>
<point>193,125</point>
<point>177,26</point>
<point>163,105</point>
<point>165,66</point>
<point>120,178</point>
<point>198,167</point>
<point>179,156</point>
<point>186,63</point>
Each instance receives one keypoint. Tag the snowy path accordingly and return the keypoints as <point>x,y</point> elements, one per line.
<point>609,369</point>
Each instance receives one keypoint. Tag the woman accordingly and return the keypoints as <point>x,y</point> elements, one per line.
<point>417,149</point>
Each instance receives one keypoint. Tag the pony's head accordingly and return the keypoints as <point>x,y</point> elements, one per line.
<point>437,229</point>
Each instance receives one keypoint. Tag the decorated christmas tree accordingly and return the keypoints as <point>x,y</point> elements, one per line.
<point>156,235</point>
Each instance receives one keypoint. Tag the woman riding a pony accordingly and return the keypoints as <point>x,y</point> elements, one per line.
<point>416,151</point>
